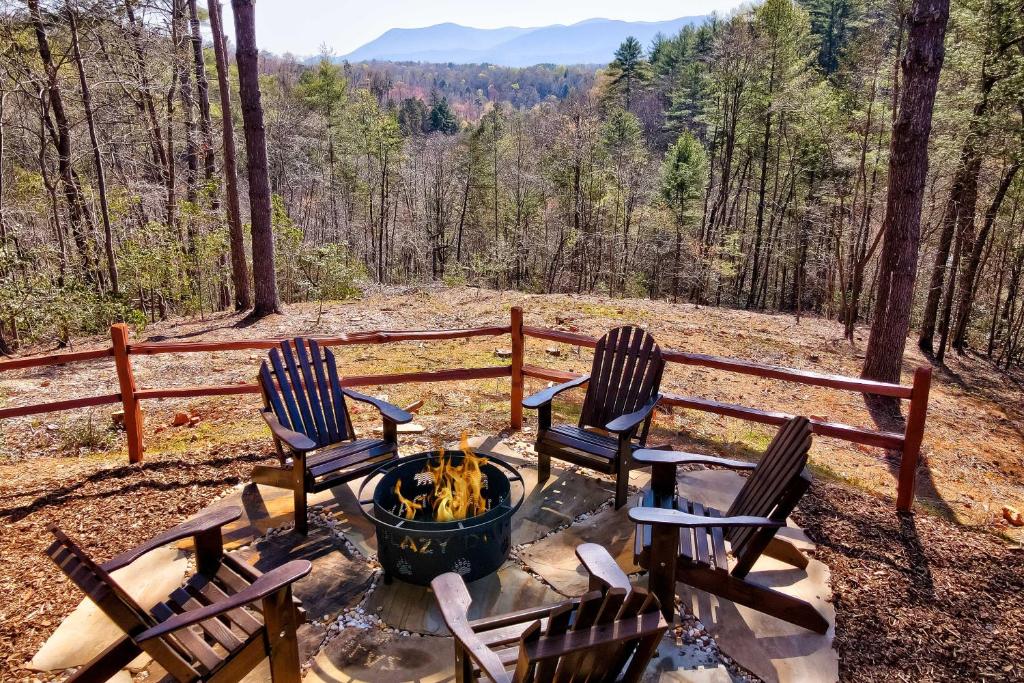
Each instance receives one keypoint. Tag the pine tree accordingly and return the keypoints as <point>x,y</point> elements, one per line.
<point>442,118</point>
<point>629,71</point>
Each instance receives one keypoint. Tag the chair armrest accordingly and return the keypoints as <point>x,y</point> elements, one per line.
<point>629,422</point>
<point>265,585</point>
<point>387,411</point>
<point>208,522</point>
<point>647,456</point>
<point>602,566</point>
<point>683,519</point>
<point>535,401</point>
<point>296,441</point>
<point>454,600</point>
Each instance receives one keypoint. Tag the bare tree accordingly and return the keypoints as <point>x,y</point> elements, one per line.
<point>236,236</point>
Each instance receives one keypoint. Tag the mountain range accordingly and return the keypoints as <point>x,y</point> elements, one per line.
<point>588,42</point>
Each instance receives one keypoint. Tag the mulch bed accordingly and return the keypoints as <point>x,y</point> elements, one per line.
<point>108,510</point>
<point>917,598</point>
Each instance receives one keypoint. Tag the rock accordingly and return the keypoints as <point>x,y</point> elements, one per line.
<point>503,353</point>
<point>553,351</point>
<point>181,419</point>
<point>193,421</point>
<point>1013,515</point>
<point>117,418</point>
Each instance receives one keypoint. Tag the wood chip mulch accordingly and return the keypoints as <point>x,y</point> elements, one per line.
<point>108,510</point>
<point>917,598</point>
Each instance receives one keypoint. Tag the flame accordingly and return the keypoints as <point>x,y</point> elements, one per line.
<point>457,488</point>
<point>409,507</point>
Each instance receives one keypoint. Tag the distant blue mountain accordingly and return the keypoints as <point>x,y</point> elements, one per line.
<point>588,42</point>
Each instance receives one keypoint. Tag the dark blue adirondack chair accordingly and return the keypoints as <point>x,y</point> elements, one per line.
<point>304,406</point>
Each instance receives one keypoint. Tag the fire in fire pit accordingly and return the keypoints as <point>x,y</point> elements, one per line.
<point>441,512</point>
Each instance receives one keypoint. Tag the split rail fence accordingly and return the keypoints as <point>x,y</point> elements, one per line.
<point>130,395</point>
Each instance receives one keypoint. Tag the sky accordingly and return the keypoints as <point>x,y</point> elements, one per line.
<point>303,26</point>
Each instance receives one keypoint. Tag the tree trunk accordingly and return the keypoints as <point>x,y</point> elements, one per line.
<point>247,57</point>
<point>969,278</point>
<point>202,94</point>
<point>101,180</point>
<point>60,134</point>
<point>236,234</point>
<point>908,168</point>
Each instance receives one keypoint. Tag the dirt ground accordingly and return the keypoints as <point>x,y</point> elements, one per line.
<point>72,467</point>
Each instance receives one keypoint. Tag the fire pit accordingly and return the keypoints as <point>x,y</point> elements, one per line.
<point>445,511</point>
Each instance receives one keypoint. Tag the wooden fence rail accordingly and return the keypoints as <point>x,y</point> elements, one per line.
<point>130,395</point>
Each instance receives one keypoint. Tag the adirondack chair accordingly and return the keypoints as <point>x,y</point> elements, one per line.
<point>613,629</point>
<point>682,540</point>
<point>622,390</point>
<point>217,627</point>
<point>304,406</point>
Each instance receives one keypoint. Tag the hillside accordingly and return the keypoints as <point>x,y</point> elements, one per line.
<point>960,480</point>
<point>935,577</point>
<point>586,42</point>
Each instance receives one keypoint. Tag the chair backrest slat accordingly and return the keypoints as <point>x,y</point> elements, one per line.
<point>324,391</point>
<point>578,644</point>
<point>300,391</point>
<point>312,389</point>
<point>300,384</point>
<point>772,490</point>
<point>625,374</point>
<point>284,383</point>
<point>340,406</point>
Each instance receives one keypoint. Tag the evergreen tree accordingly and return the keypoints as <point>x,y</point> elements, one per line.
<point>413,117</point>
<point>442,118</point>
<point>629,71</point>
<point>683,175</point>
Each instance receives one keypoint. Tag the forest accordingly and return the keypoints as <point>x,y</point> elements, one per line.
<point>743,163</point>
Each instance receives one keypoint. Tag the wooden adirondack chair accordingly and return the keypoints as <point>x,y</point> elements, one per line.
<point>621,395</point>
<point>217,627</point>
<point>613,629</point>
<point>304,406</point>
<point>682,540</point>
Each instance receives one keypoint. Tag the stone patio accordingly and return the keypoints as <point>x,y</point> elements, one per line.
<point>363,630</point>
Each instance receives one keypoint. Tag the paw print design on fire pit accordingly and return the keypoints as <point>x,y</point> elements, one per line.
<point>462,566</point>
<point>403,567</point>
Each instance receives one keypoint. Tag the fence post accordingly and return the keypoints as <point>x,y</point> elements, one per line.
<point>516,400</point>
<point>126,380</point>
<point>912,438</point>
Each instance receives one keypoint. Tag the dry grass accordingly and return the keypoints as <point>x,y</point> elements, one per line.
<point>59,467</point>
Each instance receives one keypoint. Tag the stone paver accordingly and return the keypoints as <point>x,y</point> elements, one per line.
<point>413,608</point>
<point>554,558</point>
<point>336,581</point>
<point>87,631</point>
<point>684,664</point>
<point>372,656</point>
<point>263,508</point>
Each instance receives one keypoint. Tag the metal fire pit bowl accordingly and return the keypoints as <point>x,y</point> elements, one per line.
<point>418,550</point>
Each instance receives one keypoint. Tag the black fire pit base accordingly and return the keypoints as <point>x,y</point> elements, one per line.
<point>417,551</point>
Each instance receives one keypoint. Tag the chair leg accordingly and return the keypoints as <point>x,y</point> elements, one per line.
<point>463,665</point>
<point>621,487</point>
<point>622,472</point>
<point>664,554</point>
<point>279,618</point>
<point>301,522</point>
<point>543,466</point>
